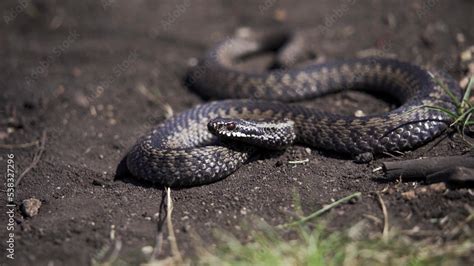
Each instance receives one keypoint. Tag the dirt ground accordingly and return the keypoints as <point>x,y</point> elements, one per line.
<point>95,75</point>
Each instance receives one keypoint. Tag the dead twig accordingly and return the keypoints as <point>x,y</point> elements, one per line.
<point>373,218</point>
<point>151,97</point>
<point>299,161</point>
<point>390,155</point>
<point>459,228</point>
<point>100,258</point>
<point>115,252</point>
<point>36,159</point>
<point>435,169</point>
<point>461,176</point>
<point>19,146</point>
<point>159,235</point>
<point>385,217</point>
<point>172,238</point>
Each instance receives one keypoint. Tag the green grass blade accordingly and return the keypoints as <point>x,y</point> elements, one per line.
<point>468,111</point>
<point>441,109</point>
<point>466,123</point>
<point>323,210</point>
<point>468,117</point>
<point>448,91</point>
<point>462,117</point>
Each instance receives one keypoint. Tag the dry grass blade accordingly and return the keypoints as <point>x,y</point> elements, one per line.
<point>172,238</point>
<point>19,146</point>
<point>35,161</point>
<point>157,100</point>
<point>385,235</point>
<point>322,210</point>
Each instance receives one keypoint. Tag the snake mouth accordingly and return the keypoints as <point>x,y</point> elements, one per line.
<point>226,127</point>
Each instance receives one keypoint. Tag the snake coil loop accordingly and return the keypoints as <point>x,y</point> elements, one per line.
<point>182,151</point>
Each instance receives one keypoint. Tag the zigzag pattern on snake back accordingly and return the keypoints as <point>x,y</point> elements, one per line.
<point>182,152</point>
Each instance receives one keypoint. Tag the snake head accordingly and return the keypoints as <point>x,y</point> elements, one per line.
<point>264,134</point>
<point>233,128</point>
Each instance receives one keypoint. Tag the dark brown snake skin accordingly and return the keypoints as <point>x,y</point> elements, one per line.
<point>182,152</point>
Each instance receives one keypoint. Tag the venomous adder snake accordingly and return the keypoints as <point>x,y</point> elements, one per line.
<point>210,141</point>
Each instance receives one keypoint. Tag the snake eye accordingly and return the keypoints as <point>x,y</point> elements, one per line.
<point>230,126</point>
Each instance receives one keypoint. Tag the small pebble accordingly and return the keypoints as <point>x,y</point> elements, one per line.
<point>30,207</point>
<point>244,32</point>
<point>3,135</point>
<point>280,15</point>
<point>76,72</point>
<point>147,250</point>
<point>439,187</point>
<point>409,195</point>
<point>466,55</point>
<point>359,113</point>
<point>186,228</point>
<point>192,62</point>
<point>81,100</point>
<point>93,111</point>
<point>391,20</point>
<point>460,38</point>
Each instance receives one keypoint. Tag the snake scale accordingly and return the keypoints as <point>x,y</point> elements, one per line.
<point>184,150</point>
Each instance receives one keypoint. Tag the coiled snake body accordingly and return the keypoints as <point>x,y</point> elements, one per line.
<point>182,151</point>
